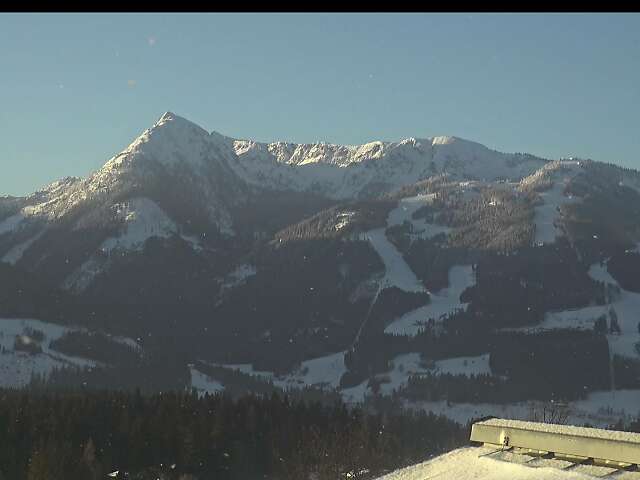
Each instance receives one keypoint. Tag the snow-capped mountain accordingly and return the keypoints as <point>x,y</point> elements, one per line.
<point>357,171</point>
<point>178,179</point>
<point>354,267</point>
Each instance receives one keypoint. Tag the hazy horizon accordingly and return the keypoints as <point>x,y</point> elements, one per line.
<point>80,87</point>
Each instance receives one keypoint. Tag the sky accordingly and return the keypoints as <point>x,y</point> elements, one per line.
<point>76,89</point>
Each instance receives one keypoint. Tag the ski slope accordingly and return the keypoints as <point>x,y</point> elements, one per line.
<point>441,303</point>
<point>546,215</point>
<point>397,272</point>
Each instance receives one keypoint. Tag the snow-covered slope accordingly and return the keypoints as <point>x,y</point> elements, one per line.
<point>341,171</point>
<point>474,463</point>
<point>443,302</point>
<point>555,175</point>
<point>176,171</point>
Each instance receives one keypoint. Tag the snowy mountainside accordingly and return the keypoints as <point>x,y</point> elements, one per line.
<point>385,272</point>
<point>356,171</point>
<point>205,184</point>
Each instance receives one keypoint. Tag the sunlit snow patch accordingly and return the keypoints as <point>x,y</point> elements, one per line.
<point>143,219</point>
<point>404,213</point>
<point>397,272</point>
<point>443,302</point>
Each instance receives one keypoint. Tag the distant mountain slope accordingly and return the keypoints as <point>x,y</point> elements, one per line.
<point>378,264</point>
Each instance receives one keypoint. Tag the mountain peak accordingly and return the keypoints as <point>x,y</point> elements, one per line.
<point>170,119</point>
<point>167,116</point>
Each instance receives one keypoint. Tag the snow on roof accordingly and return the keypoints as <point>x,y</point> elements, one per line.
<point>468,464</point>
<point>565,429</point>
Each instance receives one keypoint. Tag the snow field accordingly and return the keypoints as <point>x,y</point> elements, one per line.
<point>16,367</point>
<point>443,302</point>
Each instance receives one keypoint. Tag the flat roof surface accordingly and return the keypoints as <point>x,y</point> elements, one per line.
<point>564,430</point>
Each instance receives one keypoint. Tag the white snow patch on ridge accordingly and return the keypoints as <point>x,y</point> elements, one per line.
<point>171,140</point>
<point>143,219</point>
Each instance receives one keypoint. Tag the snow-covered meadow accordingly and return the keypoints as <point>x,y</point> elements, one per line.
<point>17,367</point>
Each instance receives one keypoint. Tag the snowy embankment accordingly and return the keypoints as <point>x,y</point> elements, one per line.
<point>478,463</point>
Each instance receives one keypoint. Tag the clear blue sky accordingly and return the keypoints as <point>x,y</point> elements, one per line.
<point>76,89</point>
